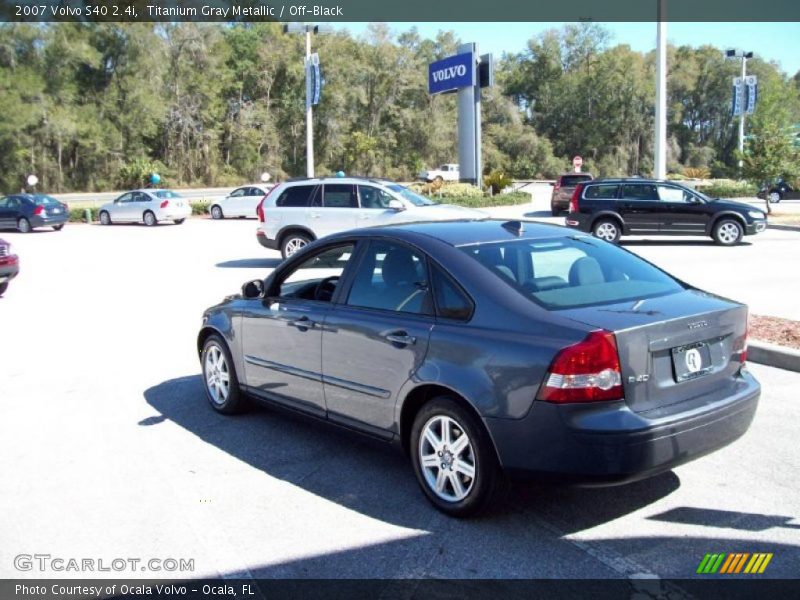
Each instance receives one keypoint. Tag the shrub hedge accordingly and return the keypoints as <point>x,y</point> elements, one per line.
<point>729,189</point>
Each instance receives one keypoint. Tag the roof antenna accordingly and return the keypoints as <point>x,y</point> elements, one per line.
<point>515,227</point>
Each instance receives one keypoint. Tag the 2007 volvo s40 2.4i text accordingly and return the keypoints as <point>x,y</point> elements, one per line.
<point>489,349</point>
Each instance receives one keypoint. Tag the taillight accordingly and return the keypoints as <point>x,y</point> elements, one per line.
<point>164,203</point>
<point>588,371</point>
<point>573,201</point>
<point>260,208</point>
<point>38,210</point>
<point>741,345</point>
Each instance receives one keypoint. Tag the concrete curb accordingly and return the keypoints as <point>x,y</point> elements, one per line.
<point>773,355</point>
<point>783,227</point>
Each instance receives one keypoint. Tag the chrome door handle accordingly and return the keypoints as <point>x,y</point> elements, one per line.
<point>400,338</point>
<point>301,323</point>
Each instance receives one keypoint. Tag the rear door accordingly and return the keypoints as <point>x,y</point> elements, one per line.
<point>377,339</point>
<point>641,208</point>
<point>297,205</point>
<point>339,211</point>
<point>685,214</point>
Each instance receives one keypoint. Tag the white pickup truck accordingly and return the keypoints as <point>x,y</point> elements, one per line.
<point>447,172</point>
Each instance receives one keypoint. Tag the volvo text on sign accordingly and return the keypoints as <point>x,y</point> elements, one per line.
<point>451,73</point>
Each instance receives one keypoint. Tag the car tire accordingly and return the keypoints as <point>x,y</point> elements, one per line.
<point>23,225</point>
<point>179,221</point>
<point>105,218</point>
<point>3,288</point>
<point>608,230</point>
<point>149,218</point>
<point>292,242</point>
<point>727,232</point>
<point>224,396</point>
<point>466,481</point>
<point>58,227</point>
<point>216,212</point>
<point>774,197</point>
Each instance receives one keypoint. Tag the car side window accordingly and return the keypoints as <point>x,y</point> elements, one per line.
<point>339,195</point>
<point>669,193</point>
<point>125,198</point>
<point>239,192</point>
<point>296,196</point>
<point>451,301</point>
<point>602,191</point>
<point>391,277</point>
<point>372,197</point>
<point>639,191</point>
<point>141,197</point>
<point>13,203</point>
<point>4,202</point>
<point>316,277</point>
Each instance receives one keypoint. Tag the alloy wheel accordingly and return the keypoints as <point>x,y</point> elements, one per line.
<point>606,231</point>
<point>447,458</point>
<point>217,374</point>
<point>728,233</point>
<point>294,244</point>
<point>774,197</point>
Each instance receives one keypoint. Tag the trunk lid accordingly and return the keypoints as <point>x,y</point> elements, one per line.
<point>672,348</point>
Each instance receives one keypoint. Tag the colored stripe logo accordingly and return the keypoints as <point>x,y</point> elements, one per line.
<point>734,563</point>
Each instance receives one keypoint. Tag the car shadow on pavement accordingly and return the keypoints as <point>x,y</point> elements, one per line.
<point>250,263</point>
<point>727,519</point>
<point>366,475</point>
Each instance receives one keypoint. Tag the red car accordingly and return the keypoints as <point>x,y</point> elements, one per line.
<point>9,265</point>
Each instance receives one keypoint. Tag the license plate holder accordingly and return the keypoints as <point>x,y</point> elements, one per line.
<point>691,361</point>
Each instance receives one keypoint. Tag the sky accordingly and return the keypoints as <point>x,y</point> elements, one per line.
<point>779,42</point>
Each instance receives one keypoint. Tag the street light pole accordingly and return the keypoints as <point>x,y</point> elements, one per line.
<point>660,153</point>
<point>744,55</point>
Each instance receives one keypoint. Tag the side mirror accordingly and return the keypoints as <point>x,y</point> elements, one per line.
<point>395,204</point>
<point>253,289</point>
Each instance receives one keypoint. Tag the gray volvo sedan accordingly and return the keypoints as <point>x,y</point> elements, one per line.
<point>489,349</point>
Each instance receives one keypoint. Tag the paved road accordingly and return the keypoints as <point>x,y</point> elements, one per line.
<point>762,272</point>
<point>108,449</point>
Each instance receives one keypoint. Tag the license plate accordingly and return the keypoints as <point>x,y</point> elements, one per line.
<point>56,211</point>
<point>691,361</point>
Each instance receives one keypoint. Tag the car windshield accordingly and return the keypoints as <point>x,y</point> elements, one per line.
<point>413,197</point>
<point>46,200</point>
<point>572,180</point>
<point>573,272</point>
<point>699,194</point>
<point>164,194</point>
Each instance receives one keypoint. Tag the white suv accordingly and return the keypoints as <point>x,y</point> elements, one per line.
<point>295,213</point>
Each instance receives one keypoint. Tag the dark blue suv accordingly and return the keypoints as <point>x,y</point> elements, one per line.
<point>611,208</point>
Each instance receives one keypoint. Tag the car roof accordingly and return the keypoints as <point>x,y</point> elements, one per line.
<point>468,232</point>
<point>348,179</point>
<point>632,180</point>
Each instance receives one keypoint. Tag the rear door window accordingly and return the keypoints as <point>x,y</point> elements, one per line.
<point>451,301</point>
<point>639,191</point>
<point>339,195</point>
<point>296,195</point>
<point>602,191</point>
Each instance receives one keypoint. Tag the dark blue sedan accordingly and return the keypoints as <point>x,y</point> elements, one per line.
<point>487,349</point>
<point>25,212</point>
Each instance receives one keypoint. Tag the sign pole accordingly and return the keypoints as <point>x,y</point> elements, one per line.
<point>741,118</point>
<point>660,151</point>
<point>309,110</point>
<point>468,115</point>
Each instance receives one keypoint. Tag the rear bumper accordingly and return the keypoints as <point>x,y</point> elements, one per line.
<point>9,268</point>
<point>609,444</point>
<point>265,241</point>
<point>39,221</point>
<point>576,221</point>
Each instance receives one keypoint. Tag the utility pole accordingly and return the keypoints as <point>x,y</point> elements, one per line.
<point>660,152</point>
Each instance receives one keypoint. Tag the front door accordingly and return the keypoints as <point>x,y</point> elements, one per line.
<point>282,333</point>
<point>377,339</point>
<point>685,214</point>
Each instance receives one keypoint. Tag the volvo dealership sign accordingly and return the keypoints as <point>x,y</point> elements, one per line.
<point>451,73</point>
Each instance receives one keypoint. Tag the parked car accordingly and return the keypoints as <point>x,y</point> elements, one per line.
<point>241,202</point>
<point>150,206</point>
<point>9,265</point>
<point>295,213</point>
<point>25,212</point>
<point>563,188</point>
<point>448,172</point>
<point>781,190</point>
<point>610,208</point>
<point>487,349</point>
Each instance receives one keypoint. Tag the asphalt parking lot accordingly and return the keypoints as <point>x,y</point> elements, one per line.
<point>108,448</point>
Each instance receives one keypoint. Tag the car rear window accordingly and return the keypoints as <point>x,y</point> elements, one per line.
<point>296,195</point>
<point>601,191</point>
<point>567,180</point>
<point>573,272</point>
<point>164,194</point>
<point>46,200</point>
